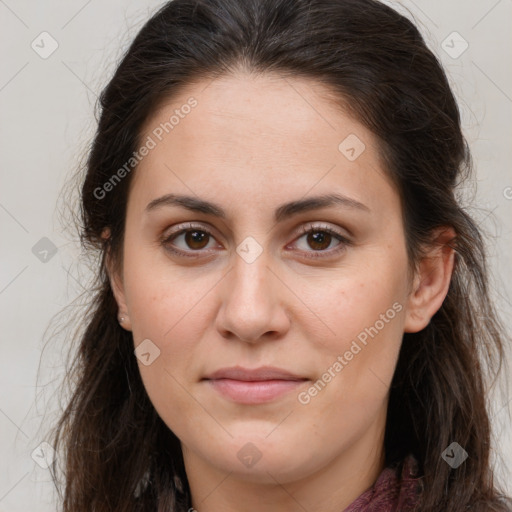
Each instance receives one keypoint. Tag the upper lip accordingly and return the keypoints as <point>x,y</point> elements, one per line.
<point>255,374</point>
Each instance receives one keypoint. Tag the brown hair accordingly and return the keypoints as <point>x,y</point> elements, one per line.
<point>118,454</point>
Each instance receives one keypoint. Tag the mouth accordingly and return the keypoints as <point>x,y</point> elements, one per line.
<point>253,386</point>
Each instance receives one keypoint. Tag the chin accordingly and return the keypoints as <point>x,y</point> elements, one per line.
<point>260,460</point>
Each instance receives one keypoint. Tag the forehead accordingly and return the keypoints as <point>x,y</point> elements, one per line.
<point>259,135</point>
<point>300,111</point>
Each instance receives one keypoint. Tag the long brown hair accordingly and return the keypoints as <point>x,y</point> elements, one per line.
<point>117,453</point>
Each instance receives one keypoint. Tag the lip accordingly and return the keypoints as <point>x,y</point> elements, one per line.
<point>253,386</point>
<point>255,374</point>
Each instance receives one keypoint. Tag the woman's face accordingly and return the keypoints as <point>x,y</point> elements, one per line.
<point>271,273</point>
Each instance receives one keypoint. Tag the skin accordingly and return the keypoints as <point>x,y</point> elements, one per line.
<point>250,145</point>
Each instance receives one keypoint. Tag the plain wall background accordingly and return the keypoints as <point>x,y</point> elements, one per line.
<point>47,112</point>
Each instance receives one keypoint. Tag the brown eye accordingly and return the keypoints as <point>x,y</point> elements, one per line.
<point>190,241</point>
<point>319,240</point>
<point>195,239</point>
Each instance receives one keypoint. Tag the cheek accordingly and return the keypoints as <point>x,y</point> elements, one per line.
<point>171,310</point>
<point>361,300</point>
<point>161,299</point>
<point>365,314</point>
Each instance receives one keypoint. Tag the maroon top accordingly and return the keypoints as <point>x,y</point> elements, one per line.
<point>391,493</point>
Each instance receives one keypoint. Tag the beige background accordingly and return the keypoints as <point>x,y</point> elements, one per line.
<point>47,112</point>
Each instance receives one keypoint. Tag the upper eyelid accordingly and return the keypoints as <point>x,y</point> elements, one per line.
<point>310,226</point>
<point>187,227</point>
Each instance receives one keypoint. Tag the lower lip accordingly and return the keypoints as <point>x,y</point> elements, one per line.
<point>254,392</point>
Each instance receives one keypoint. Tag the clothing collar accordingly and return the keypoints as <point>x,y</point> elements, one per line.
<point>391,492</point>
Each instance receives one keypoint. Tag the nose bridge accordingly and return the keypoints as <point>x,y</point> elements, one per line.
<point>250,279</point>
<point>250,303</point>
<point>250,265</point>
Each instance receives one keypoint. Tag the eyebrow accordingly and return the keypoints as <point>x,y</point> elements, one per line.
<point>284,211</point>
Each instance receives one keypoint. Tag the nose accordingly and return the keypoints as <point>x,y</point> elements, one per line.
<point>253,302</point>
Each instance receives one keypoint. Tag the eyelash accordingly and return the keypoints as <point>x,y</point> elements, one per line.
<point>304,230</point>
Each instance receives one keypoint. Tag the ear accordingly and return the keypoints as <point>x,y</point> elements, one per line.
<point>116,283</point>
<point>431,280</point>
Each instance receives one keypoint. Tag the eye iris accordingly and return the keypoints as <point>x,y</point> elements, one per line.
<point>319,237</point>
<point>193,237</point>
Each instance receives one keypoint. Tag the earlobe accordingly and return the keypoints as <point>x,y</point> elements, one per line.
<point>118,291</point>
<point>431,282</point>
<point>116,284</point>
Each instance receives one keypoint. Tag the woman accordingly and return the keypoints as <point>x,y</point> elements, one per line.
<point>292,311</point>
